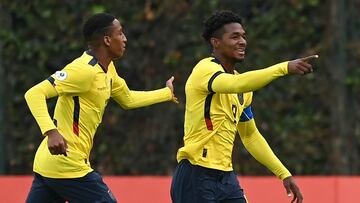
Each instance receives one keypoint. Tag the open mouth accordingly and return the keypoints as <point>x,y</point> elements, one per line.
<point>240,51</point>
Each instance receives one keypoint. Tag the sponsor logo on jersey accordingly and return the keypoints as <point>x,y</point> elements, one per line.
<point>60,75</point>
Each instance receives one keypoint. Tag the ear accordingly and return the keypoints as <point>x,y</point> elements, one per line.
<point>107,41</point>
<point>215,42</point>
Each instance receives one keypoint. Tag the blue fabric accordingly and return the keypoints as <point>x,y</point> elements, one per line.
<point>247,114</point>
<point>197,184</point>
<point>51,80</point>
<point>89,188</point>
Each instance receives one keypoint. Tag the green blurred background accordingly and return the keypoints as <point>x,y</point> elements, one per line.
<point>311,122</point>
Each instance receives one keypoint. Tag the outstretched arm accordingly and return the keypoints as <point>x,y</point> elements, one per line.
<point>254,80</point>
<point>257,146</point>
<point>129,99</point>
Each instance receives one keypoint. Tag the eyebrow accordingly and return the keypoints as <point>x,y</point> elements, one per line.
<point>238,33</point>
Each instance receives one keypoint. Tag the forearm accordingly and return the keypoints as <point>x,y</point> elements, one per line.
<point>257,146</point>
<point>136,99</point>
<point>36,100</point>
<point>248,81</point>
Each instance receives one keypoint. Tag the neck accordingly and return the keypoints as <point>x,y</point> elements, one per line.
<point>227,64</point>
<point>102,57</point>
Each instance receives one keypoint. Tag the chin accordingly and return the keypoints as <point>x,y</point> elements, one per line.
<point>119,55</point>
<point>240,59</point>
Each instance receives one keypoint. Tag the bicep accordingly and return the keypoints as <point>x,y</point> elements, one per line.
<point>247,126</point>
<point>44,89</point>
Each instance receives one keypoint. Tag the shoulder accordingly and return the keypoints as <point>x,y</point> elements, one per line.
<point>208,64</point>
<point>85,61</point>
<point>83,65</point>
<point>206,68</point>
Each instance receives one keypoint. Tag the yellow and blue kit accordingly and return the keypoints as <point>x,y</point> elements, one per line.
<point>83,89</point>
<point>218,105</point>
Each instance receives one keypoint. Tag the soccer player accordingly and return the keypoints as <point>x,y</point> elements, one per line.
<point>62,168</point>
<point>218,105</point>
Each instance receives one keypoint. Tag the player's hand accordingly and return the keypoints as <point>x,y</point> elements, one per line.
<point>301,66</point>
<point>291,187</point>
<point>170,85</point>
<point>56,142</point>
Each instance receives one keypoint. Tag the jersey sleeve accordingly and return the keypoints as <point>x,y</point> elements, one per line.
<point>72,79</point>
<point>129,99</point>
<point>257,146</point>
<point>203,76</point>
<point>36,100</point>
<point>247,113</point>
<point>248,81</point>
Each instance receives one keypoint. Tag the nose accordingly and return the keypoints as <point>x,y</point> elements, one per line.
<point>124,38</point>
<point>242,41</point>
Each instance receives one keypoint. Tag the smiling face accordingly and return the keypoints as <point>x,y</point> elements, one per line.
<point>230,42</point>
<point>116,40</point>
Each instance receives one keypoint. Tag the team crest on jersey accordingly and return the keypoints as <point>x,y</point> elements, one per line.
<point>60,75</point>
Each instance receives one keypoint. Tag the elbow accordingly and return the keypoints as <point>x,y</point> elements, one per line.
<point>127,106</point>
<point>28,94</point>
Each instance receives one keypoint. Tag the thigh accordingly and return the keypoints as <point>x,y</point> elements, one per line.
<point>205,182</point>
<point>181,189</point>
<point>231,190</point>
<point>40,192</point>
<point>89,188</point>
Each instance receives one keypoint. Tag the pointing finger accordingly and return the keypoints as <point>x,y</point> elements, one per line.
<point>308,58</point>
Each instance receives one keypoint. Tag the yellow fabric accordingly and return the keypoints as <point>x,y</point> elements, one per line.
<point>129,99</point>
<point>36,99</point>
<point>248,81</point>
<point>257,146</point>
<point>84,87</point>
<point>212,148</point>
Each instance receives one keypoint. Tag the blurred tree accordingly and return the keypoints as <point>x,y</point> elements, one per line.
<point>3,18</point>
<point>312,123</point>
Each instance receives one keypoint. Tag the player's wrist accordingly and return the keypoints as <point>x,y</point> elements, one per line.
<point>51,132</point>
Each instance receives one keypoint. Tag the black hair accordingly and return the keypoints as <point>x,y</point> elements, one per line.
<point>97,25</point>
<point>216,21</point>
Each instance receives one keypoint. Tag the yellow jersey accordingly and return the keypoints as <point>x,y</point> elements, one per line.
<point>83,89</point>
<point>218,105</point>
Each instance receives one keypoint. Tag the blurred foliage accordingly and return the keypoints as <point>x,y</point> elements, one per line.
<point>295,114</point>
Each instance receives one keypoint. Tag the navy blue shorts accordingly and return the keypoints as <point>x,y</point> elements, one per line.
<point>196,184</point>
<point>87,189</point>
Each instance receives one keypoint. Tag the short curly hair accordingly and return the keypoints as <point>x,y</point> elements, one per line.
<point>216,21</point>
<point>97,25</point>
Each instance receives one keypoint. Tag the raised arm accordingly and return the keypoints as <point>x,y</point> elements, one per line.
<point>253,80</point>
